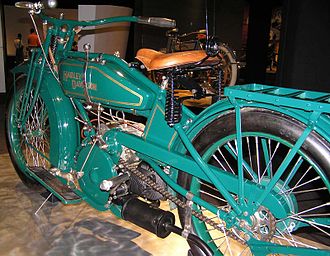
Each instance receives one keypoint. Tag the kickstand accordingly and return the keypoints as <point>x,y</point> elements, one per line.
<point>43,203</point>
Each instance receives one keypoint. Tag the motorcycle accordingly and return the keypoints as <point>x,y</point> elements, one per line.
<point>197,40</point>
<point>209,75</point>
<point>249,174</point>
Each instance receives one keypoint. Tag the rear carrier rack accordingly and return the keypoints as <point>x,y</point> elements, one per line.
<point>279,96</point>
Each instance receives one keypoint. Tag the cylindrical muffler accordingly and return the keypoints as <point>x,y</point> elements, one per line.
<point>147,217</point>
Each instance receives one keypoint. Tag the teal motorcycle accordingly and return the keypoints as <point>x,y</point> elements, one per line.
<point>249,174</point>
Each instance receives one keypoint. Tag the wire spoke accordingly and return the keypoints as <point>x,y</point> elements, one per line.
<point>249,150</point>
<point>221,165</point>
<point>257,154</point>
<point>309,190</point>
<point>224,158</point>
<point>270,160</point>
<point>305,211</point>
<point>301,185</point>
<point>296,243</point>
<point>245,165</point>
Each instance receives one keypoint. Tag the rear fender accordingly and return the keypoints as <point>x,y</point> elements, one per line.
<point>221,108</point>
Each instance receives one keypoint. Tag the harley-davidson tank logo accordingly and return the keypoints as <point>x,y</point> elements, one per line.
<point>77,80</point>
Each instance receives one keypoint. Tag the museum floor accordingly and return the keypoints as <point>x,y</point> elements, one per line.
<point>67,230</point>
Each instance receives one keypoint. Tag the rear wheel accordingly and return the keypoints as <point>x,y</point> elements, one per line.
<point>28,144</point>
<point>303,189</point>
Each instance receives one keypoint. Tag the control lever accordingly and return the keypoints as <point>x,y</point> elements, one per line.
<point>86,48</point>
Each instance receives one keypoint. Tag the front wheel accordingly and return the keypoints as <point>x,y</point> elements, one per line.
<point>29,143</point>
<point>302,190</point>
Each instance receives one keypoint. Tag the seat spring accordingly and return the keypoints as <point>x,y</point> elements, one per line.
<point>53,44</point>
<point>173,106</point>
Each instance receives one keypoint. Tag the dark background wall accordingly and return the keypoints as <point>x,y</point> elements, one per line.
<point>190,16</point>
<point>257,42</point>
<point>305,45</point>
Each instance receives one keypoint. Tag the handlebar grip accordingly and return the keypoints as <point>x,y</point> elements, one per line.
<point>24,5</point>
<point>38,5</point>
<point>158,22</point>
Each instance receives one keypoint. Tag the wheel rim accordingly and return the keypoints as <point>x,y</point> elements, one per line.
<point>263,154</point>
<point>228,66</point>
<point>30,143</point>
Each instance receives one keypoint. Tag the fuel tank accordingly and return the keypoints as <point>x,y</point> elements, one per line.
<point>108,83</point>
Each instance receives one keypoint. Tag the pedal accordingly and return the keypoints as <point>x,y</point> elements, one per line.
<point>50,182</point>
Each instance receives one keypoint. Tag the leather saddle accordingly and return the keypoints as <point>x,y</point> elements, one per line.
<point>155,60</point>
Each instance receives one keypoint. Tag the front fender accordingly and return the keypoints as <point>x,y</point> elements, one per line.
<point>62,121</point>
<point>64,129</point>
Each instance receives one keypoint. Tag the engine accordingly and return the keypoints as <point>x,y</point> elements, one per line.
<point>122,180</point>
<point>141,188</point>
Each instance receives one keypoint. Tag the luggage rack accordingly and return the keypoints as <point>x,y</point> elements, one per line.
<point>280,96</point>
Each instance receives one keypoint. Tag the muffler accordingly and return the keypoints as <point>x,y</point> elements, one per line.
<point>144,215</point>
<point>161,223</point>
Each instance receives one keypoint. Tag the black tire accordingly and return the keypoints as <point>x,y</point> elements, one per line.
<point>264,122</point>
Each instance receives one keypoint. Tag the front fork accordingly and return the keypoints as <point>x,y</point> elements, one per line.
<point>25,110</point>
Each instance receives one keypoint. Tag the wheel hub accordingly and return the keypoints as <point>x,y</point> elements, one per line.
<point>263,224</point>
<point>288,201</point>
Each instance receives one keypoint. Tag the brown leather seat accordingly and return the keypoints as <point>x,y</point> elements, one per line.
<point>154,60</point>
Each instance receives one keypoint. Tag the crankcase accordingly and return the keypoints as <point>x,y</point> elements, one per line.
<point>94,165</point>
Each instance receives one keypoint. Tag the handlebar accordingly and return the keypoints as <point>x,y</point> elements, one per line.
<point>61,32</point>
<point>76,23</point>
<point>158,22</point>
<point>37,7</point>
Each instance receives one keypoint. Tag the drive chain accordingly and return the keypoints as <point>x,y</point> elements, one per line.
<point>182,204</point>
